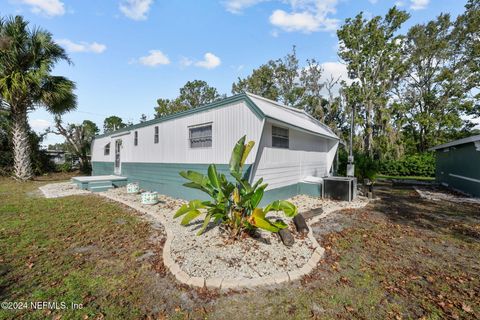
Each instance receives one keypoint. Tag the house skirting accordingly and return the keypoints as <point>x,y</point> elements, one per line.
<point>165,179</point>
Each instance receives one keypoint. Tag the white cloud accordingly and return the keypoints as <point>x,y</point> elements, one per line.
<point>135,9</point>
<point>39,125</point>
<point>307,16</point>
<point>209,61</point>
<point>237,6</point>
<point>82,46</point>
<point>302,15</point>
<point>186,62</point>
<point>399,3</point>
<point>155,58</point>
<point>49,8</point>
<point>274,33</point>
<point>302,21</point>
<point>336,70</point>
<point>418,4</point>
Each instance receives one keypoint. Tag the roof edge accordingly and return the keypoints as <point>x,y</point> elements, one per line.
<point>219,103</point>
<point>300,111</point>
<point>456,142</point>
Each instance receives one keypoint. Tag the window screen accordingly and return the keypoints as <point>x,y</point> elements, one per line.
<point>201,137</point>
<point>155,138</point>
<point>279,137</point>
<point>135,138</point>
<point>106,150</point>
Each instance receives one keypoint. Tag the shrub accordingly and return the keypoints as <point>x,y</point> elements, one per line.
<point>365,167</point>
<point>422,164</point>
<point>234,204</point>
<point>64,167</point>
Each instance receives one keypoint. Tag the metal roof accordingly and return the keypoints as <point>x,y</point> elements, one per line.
<point>457,142</point>
<point>291,116</point>
<point>261,107</point>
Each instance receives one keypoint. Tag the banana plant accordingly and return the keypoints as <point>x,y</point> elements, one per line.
<point>233,202</point>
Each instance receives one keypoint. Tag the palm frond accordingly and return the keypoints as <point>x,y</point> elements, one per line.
<point>57,95</point>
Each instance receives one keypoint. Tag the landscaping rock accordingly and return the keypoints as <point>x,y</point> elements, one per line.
<point>300,224</point>
<point>312,213</point>
<point>286,237</point>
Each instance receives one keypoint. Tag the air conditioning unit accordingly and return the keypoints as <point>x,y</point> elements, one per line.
<point>340,188</point>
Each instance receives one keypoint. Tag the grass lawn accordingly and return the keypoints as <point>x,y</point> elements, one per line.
<point>419,178</point>
<point>400,257</point>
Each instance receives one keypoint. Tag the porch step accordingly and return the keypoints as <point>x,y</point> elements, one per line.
<point>100,186</point>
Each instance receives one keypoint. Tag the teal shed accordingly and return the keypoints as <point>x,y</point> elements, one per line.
<point>458,165</point>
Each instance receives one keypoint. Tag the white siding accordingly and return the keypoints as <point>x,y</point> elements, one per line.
<point>307,155</point>
<point>98,150</point>
<point>229,123</point>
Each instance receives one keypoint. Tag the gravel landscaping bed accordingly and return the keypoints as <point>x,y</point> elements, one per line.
<point>306,203</point>
<point>212,255</point>
<point>62,189</point>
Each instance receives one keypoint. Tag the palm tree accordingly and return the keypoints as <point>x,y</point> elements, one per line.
<point>27,57</point>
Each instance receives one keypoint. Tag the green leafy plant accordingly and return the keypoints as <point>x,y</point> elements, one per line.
<point>421,164</point>
<point>234,204</point>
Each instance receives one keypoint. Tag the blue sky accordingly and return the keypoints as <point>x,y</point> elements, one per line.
<point>128,53</point>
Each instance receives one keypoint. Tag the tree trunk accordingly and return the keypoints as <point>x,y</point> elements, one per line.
<point>21,145</point>
<point>369,130</point>
<point>85,164</point>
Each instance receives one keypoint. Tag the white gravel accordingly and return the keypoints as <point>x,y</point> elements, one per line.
<point>436,195</point>
<point>306,203</point>
<point>210,255</point>
<point>62,189</point>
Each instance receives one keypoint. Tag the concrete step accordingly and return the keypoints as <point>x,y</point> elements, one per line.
<point>100,184</point>
<point>100,188</point>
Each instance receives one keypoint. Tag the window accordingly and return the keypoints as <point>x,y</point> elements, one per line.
<point>279,137</point>
<point>135,138</point>
<point>201,137</point>
<point>155,138</point>
<point>106,149</point>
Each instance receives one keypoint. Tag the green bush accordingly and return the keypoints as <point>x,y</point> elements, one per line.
<point>64,167</point>
<point>365,167</point>
<point>422,164</point>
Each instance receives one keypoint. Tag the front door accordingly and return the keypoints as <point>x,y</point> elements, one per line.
<point>118,164</point>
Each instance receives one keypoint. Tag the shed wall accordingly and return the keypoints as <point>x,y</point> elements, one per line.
<point>459,168</point>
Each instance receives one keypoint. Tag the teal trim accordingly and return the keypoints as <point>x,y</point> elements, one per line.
<point>459,161</point>
<point>311,189</point>
<point>236,98</point>
<point>101,168</point>
<point>100,188</point>
<point>213,105</point>
<point>165,178</point>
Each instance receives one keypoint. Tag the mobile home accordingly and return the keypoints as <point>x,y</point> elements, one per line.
<point>291,147</point>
